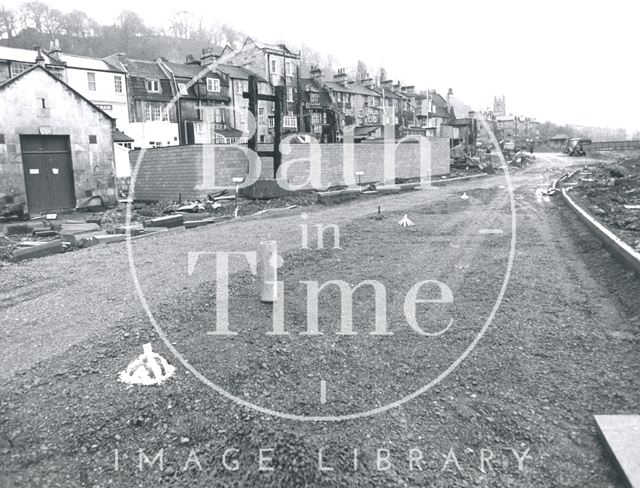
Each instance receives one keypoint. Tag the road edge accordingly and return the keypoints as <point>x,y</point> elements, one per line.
<point>616,246</point>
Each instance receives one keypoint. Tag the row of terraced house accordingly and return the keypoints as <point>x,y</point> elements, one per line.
<point>159,103</point>
<point>69,121</point>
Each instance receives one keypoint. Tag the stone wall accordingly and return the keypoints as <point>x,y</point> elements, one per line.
<point>187,172</point>
<point>66,113</point>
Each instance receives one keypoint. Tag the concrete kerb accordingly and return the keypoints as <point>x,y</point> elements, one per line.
<point>616,246</point>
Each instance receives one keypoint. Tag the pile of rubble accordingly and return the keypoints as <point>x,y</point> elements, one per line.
<point>56,233</point>
<point>612,191</point>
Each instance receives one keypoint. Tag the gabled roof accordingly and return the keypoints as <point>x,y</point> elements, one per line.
<point>35,67</point>
<point>558,137</point>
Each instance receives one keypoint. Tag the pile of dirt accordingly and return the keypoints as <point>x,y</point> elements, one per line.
<point>612,192</point>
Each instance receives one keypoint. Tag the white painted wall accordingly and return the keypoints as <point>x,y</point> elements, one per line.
<point>105,93</point>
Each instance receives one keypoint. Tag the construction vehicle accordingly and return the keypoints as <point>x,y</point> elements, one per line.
<point>577,146</point>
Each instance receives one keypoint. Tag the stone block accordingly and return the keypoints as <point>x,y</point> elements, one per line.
<point>167,221</point>
<point>38,250</point>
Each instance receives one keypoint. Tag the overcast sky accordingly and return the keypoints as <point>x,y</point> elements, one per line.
<point>564,61</point>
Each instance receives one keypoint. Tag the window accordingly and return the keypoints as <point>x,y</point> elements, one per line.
<point>2,139</point>
<point>117,84</point>
<point>93,139</point>
<point>315,118</point>
<point>289,93</point>
<point>91,81</point>
<point>156,112</point>
<point>243,118</point>
<point>289,68</point>
<point>17,68</point>
<point>272,121</point>
<point>219,119</point>
<point>43,102</point>
<point>274,66</point>
<point>182,88</point>
<point>315,98</point>
<point>153,86</point>
<point>213,85</point>
<point>240,87</point>
<point>260,110</point>
<point>289,122</point>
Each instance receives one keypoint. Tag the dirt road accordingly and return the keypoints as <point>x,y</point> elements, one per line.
<point>517,412</point>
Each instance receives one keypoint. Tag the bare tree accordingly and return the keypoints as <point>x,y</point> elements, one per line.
<point>33,15</point>
<point>362,72</point>
<point>181,24</point>
<point>77,23</point>
<point>8,22</point>
<point>131,24</point>
<point>53,22</point>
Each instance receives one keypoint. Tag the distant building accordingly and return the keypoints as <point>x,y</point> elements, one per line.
<point>153,114</point>
<point>499,106</point>
<point>94,78</point>
<point>202,98</point>
<point>280,66</point>
<point>56,146</point>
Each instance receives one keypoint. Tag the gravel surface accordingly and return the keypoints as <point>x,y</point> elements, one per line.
<point>563,347</point>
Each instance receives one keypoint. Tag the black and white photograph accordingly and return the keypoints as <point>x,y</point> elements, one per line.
<point>323,244</point>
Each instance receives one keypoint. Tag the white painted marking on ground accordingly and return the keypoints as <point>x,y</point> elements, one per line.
<point>323,391</point>
<point>490,231</point>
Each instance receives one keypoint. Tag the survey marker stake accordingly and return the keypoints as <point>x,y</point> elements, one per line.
<point>269,264</point>
<point>406,221</point>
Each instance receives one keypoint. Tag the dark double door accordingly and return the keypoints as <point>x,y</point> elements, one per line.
<point>48,172</point>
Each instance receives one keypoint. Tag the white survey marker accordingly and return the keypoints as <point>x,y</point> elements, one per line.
<point>406,222</point>
<point>149,369</point>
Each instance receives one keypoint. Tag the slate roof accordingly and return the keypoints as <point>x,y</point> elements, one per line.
<point>229,132</point>
<point>84,62</point>
<point>239,72</point>
<point>19,55</point>
<point>144,69</point>
<point>365,130</point>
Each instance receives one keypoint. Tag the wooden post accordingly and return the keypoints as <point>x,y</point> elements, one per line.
<point>268,271</point>
<point>277,156</point>
<point>253,109</point>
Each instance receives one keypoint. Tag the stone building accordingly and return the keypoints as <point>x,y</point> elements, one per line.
<point>56,146</point>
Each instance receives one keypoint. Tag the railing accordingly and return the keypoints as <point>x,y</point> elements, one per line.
<point>615,146</point>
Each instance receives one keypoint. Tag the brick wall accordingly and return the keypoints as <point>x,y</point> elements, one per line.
<point>169,173</point>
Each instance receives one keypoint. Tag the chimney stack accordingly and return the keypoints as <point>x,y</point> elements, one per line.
<point>208,57</point>
<point>39,57</point>
<point>449,95</point>
<point>191,59</point>
<point>54,49</point>
<point>388,84</point>
<point>316,74</point>
<point>340,77</point>
<point>368,82</point>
